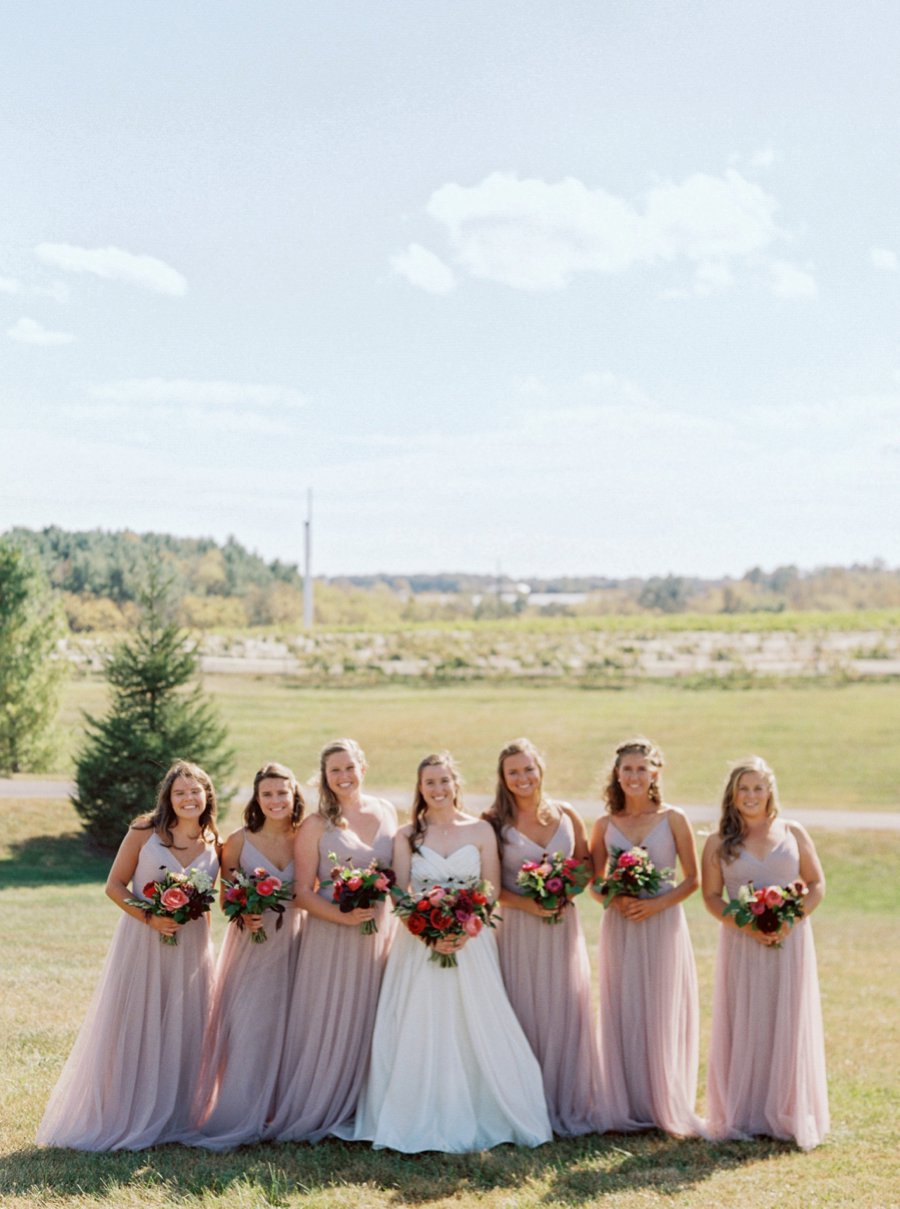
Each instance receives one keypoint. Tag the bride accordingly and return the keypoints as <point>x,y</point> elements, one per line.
<point>450,1068</point>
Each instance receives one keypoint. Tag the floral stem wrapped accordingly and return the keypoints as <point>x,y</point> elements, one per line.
<point>768,908</point>
<point>552,882</point>
<point>630,871</point>
<point>253,893</point>
<point>179,896</point>
<point>443,912</point>
<point>352,888</point>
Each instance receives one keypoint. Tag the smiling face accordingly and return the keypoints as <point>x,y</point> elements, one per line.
<point>635,774</point>
<point>438,786</point>
<point>188,797</point>
<point>522,776</point>
<point>343,774</point>
<point>275,796</point>
<point>752,794</point>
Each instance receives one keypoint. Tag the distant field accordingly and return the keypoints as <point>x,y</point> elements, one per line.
<point>831,746</point>
<point>57,925</point>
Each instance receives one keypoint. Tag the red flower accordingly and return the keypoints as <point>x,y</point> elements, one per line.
<point>149,889</point>
<point>416,924</point>
<point>267,886</point>
<point>479,898</point>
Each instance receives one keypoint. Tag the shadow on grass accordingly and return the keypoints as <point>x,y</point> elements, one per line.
<point>47,860</point>
<point>572,1171</point>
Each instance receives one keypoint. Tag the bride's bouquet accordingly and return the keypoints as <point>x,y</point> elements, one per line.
<point>631,871</point>
<point>553,882</point>
<point>253,893</point>
<point>768,908</point>
<point>178,896</point>
<point>352,888</point>
<point>441,912</point>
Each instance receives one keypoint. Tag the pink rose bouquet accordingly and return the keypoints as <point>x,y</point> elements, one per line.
<point>352,888</point>
<point>768,908</point>
<point>631,871</point>
<point>553,882</point>
<point>179,896</point>
<point>253,893</point>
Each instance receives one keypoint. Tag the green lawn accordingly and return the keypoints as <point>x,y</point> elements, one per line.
<point>57,927</point>
<point>831,747</point>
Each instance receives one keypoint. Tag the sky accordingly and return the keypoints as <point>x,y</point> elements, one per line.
<point>597,287</point>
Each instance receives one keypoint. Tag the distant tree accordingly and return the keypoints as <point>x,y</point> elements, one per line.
<point>31,622</point>
<point>669,594</point>
<point>158,713</point>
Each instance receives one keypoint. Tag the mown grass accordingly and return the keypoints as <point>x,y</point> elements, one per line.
<point>832,747</point>
<point>57,925</point>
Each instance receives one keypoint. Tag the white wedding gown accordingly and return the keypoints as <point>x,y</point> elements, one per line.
<point>450,1069</point>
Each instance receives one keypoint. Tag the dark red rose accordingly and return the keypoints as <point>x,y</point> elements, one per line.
<point>416,924</point>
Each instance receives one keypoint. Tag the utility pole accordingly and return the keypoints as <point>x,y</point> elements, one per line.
<point>307,567</point>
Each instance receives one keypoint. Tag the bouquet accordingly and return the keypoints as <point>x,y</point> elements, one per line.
<point>768,908</point>
<point>352,888</point>
<point>178,896</point>
<point>553,882</point>
<point>630,871</point>
<point>441,912</point>
<point>251,894</point>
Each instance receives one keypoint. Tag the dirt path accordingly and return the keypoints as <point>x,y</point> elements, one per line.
<point>829,820</point>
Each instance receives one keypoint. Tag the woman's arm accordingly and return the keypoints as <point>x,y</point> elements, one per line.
<point>306,878</point>
<point>811,870</point>
<point>121,874</point>
<point>643,908</point>
<point>231,860</point>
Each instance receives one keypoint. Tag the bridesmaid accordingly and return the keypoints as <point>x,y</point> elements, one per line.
<point>131,1076</point>
<point>767,1057</point>
<point>339,970</point>
<point>253,980</point>
<point>545,966</point>
<point>649,1010</point>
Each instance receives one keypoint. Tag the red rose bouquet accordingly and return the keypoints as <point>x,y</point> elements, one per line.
<point>253,893</point>
<point>553,882</point>
<point>352,888</point>
<point>631,871</point>
<point>768,908</point>
<point>179,896</point>
<point>439,912</point>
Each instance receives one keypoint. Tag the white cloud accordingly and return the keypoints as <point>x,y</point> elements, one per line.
<point>9,285</point>
<point>790,281</point>
<point>194,393</point>
<point>114,264</point>
<point>535,235</point>
<point>29,331</point>
<point>57,290</point>
<point>423,269</point>
<point>884,258</point>
<point>763,157</point>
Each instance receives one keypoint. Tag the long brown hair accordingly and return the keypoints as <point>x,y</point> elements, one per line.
<point>613,794</point>
<point>329,806</point>
<point>253,813</point>
<point>162,818</point>
<point>732,828</point>
<point>502,812</point>
<point>419,806</point>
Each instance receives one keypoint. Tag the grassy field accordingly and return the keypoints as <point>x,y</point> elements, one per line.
<point>832,747</point>
<point>57,927</point>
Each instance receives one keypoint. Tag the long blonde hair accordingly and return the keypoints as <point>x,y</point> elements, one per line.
<point>502,812</point>
<point>613,794</point>
<point>732,828</point>
<point>329,806</point>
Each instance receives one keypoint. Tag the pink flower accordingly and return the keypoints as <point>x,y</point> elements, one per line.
<point>382,883</point>
<point>757,906</point>
<point>435,895</point>
<point>554,885</point>
<point>267,886</point>
<point>173,898</point>
<point>354,883</point>
<point>773,897</point>
<point>260,872</point>
<point>627,860</point>
<point>472,926</point>
<point>545,869</point>
<point>529,866</point>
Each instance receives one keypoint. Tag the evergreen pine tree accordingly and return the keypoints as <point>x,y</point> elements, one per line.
<point>30,669</point>
<point>158,714</point>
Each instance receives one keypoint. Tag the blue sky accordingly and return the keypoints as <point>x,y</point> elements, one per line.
<point>587,287</point>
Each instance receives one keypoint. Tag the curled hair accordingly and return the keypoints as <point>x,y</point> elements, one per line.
<point>502,812</point>
<point>419,806</point>
<point>253,812</point>
<point>162,818</point>
<point>329,806</point>
<point>732,828</point>
<point>613,793</point>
